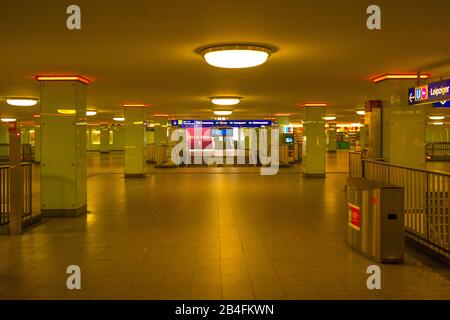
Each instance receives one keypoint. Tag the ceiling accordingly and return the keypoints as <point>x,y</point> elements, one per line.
<point>144,51</point>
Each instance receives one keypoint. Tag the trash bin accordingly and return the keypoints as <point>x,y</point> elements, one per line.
<point>376,219</point>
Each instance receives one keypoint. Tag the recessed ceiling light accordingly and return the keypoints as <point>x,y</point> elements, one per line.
<point>119,119</point>
<point>438,123</point>
<point>361,112</point>
<point>225,101</point>
<point>329,118</point>
<point>436,117</point>
<point>223,112</point>
<point>91,113</point>
<point>8,120</point>
<point>22,102</point>
<point>236,56</point>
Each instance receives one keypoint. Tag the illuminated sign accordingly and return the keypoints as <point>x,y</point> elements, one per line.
<point>442,104</point>
<point>433,92</point>
<point>219,123</point>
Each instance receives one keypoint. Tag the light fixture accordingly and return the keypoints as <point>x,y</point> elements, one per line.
<point>225,101</point>
<point>438,123</point>
<point>329,118</point>
<point>67,111</point>
<point>223,112</point>
<point>236,56</point>
<point>400,77</point>
<point>314,104</point>
<point>135,105</point>
<point>361,112</point>
<point>91,113</point>
<point>63,78</point>
<point>119,119</point>
<point>8,120</point>
<point>22,102</point>
<point>436,117</point>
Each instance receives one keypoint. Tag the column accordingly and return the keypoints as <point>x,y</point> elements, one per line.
<point>363,137</point>
<point>403,126</point>
<point>104,138</point>
<point>161,145</point>
<point>332,137</point>
<point>283,124</point>
<point>135,144</point>
<point>37,143</point>
<point>63,147</point>
<point>314,147</point>
<point>4,139</point>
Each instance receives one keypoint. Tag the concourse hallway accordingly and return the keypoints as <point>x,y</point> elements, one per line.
<point>207,233</point>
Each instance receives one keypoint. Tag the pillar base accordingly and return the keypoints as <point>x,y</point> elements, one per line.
<point>64,213</point>
<point>314,175</point>
<point>134,175</point>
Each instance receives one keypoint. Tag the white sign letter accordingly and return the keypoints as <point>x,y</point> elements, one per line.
<point>73,22</point>
<point>374,20</point>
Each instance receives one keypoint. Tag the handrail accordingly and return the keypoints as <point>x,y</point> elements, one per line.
<point>408,168</point>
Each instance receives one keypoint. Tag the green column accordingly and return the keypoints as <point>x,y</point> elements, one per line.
<point>161,130</point>
<point>4,139</point>
<point>331,137</point>
<point>63,149</point>
<point>403,126</point>
<point>37,143</point>
<point>363,137</point>
<point>104,138</point>
<point>314,142</point>
<point>135,144</point>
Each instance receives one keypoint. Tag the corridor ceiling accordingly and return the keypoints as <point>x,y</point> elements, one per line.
<point>145,51</point>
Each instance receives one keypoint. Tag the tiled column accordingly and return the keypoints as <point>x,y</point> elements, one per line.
<point>283,123</point>
<point>135,144</point>
<point>332,137</point>
<point>63,148</point>
<point>37,142</point>
<point>104,138</point>
<point>4,134</point>
<point>403,126</point>
<point>314,142</point>
<point>161,140</point>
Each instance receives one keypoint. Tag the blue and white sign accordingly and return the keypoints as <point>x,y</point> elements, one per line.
<point>433,92</point>
<point>218,123</point>
<point>442,104</point>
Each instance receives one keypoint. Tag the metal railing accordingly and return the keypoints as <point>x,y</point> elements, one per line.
<point>438,151</point>
<point>5,187</point>
<point>427,204</point>
<point>27,152</point>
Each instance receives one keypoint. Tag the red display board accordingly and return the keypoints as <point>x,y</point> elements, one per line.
<point>354,217</point>
<point>205,137</point>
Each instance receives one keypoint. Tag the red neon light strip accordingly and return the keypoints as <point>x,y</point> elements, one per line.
<point>63,78</point>
<point>400,77</point>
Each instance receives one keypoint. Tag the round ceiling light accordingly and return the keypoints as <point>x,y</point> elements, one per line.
<point>236,56</point>
<point>21,102</point>
<point>119,119</point>
<point>329,118</point>
<point>438,123</point>
<point>361,112</point>
<point>91,113</point>
<point>436,117</point>
<point>226,101</point>
<point>8,120</point>
<point>223,112</point>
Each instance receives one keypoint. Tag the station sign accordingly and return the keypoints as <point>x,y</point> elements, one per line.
<point>429,93</point>
<point>442,104</point>
<point>219,123</point>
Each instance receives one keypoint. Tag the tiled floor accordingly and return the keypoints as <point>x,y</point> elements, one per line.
<point>197,233</point>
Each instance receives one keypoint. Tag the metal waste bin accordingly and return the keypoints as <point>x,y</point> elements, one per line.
<point>376,219</point>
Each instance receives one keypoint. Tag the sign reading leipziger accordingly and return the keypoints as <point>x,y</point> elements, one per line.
<point>433,92</point>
